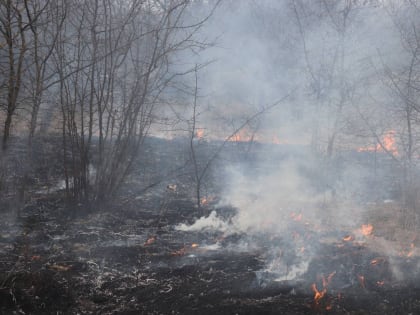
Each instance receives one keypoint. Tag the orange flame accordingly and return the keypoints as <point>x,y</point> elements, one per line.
<point>366,229</point>
<point>184,250</point>
<point>243,136</point>
<point>206,200</point>
<point>348,238</point>
<point>388,144</point>
<point>375,261</point>
<point>319,295</point>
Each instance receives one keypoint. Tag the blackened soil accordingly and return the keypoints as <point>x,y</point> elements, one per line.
<point>129,259</point>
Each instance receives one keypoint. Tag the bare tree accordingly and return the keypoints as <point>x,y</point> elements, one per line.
<point>46,19</point>
<point>114,62</point>
<point>402,83</point>
<point>14,27</point>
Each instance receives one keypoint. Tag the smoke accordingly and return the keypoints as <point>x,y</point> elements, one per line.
<point>330,62</point>
<point>210,223</point>
<point>266,201</point>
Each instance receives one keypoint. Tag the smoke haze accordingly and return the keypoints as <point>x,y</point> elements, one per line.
<point>332,60</point>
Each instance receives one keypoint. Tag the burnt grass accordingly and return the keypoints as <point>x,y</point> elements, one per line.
<point>126,257</point>
<point>130,260</point>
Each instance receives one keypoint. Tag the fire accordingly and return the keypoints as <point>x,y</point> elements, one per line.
<point>206,200</point>
<point>348,238</point>
<point>361,279</point>
<point>380,283</point>
<point>376,261</point>
<point>150,241</point>
<point>184,250</point>
<point>243,136</point>
<point>366,229</point>
<point>319,295</point>
<point>199,133</point>
<point>388,144</point>
<point>409,252</point>
<point>296,217</point>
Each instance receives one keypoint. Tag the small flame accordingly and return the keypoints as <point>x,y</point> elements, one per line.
<point>199,133</point>
<point>367,229</point>
<point>361,279</point>
<point>184,250</point>
<point>388,144</point>
<point>150,241</point>
<point>319,295</point>
<point>296,217</point>
<point>348,238</point>
<point>409,252</point>
<point>380,283</point>
<point>206,200</point>
<point>243,136</point>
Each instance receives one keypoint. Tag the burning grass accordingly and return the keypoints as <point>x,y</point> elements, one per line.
<point>88,264</point>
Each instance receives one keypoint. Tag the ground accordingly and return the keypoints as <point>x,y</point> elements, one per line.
<point>128,258</point>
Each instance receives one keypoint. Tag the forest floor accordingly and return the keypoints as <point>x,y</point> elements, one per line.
<point>128,258</point>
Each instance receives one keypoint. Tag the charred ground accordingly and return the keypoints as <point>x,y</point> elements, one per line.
<point>126,257</point>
